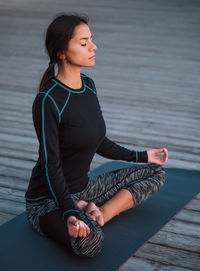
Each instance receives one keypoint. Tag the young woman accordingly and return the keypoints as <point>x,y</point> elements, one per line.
<point>62,202</point>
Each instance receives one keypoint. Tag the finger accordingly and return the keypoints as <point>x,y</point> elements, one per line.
<point>98,217</point>
<point>159,150</point>
<point>73,230</point>
<point>100,220</point>
<point>90,207</point>
<point>87,229</point>
<point>157,161</point>
<point>166,153</point>
<point>164,157</point>
<point>82,204</point>
<point>72,220</point>
<point>82,231</point>
<point>94,213</point>
<point>76,231</point>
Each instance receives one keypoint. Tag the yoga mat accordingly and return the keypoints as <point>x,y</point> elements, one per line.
<point>23,249</point>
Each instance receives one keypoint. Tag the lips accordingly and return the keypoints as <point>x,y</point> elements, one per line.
<point>92,57</point>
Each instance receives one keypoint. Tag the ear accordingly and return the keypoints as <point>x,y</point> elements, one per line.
<point>61,55</point>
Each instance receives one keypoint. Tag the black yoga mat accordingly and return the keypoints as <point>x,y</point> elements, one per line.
<point>23,249</point>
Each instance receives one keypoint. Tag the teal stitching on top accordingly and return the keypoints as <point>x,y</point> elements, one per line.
<point>83,75</point>
<point>75,194</point>
<point>71,210</point>
<point>73,91</point>
<point>93,85</point>
<point>64,105</point>
<point>44,143</point>
<point>52,101</point>
<point>136,156</point>
<point>91,89</point>
<point>37,198</point>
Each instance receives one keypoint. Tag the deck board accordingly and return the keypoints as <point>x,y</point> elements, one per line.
<point>147,79</point>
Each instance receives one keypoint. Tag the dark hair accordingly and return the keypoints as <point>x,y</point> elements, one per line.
<point>58,35</point>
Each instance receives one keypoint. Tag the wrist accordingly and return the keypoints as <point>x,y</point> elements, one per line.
<point>143,157</point>
<point>69,213</point>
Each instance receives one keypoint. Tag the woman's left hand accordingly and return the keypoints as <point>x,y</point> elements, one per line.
<point>155,159</point>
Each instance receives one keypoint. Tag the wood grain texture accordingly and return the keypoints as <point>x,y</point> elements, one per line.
<point>147,79</point>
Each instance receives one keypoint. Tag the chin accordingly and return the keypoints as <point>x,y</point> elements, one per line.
<point>89,65</point>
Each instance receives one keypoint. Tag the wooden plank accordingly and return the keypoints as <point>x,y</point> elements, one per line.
<point>16,163</point>
<point>189,216</point>
<point>197,196</point>
<point>184,228</point>
<point>19,132</point>
<point>12,207</point>
<point>151,141</point>
<point>12,195</point>
<point>20,154</point>
<point>177,241</point>
<point>13,183</point>
<point>22,147</point>
<point>148,89</point>
<point>193,205</point>
<point>13,124</point>
<point>136,264</point>
<point>18,139</point>
<point>15,172</point>
<point>170,256</point>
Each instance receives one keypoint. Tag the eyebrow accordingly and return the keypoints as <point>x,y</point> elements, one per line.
<point>86,38</point>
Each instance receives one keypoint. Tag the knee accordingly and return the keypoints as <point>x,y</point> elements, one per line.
<point>156,168</point>
<point>89,246</point>
<point>160,176</point>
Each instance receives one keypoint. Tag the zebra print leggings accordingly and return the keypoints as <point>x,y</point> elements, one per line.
<point>45,217</point>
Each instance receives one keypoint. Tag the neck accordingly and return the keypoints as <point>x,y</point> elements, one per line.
<point>70,76</point>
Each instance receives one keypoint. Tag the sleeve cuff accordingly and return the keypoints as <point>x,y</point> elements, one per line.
<point>142,157</point>
<point>68,213</point>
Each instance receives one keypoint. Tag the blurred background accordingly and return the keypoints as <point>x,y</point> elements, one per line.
<point>146,74</point>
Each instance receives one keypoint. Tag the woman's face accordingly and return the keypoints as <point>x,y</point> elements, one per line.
<point>81,49</point>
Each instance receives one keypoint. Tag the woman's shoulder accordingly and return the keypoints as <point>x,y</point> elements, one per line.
<point>89,81</point>
<point>86,77</point>
<point>44,94</point>
<point>47,87</point>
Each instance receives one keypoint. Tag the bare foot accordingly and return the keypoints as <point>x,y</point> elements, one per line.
<point>82,204</point>
<point>91,210</point>
<point>95,213</point>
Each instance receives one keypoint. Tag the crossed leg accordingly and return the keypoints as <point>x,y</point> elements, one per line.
<point>137,184</point>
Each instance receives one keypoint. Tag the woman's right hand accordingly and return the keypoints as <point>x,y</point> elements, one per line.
<point>77,228</point>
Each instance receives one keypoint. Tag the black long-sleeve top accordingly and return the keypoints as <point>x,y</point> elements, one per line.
<point>70,129</point>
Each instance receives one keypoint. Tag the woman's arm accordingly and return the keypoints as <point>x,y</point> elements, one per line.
<point>112,150</point>
<point>46,122</point>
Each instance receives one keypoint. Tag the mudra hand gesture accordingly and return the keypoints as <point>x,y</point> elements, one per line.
<point>155,158</point>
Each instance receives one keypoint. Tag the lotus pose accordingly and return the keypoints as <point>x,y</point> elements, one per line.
<point>62,201</point>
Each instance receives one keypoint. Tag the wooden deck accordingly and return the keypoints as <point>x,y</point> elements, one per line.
<point>147,78</point>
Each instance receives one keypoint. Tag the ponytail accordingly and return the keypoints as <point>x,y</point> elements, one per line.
<point>49,73</point>
<point>58,35</point>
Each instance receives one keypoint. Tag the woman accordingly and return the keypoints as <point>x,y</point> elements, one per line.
<point>62,202</point>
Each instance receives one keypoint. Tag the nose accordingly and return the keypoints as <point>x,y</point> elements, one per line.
<point>93,46</point>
